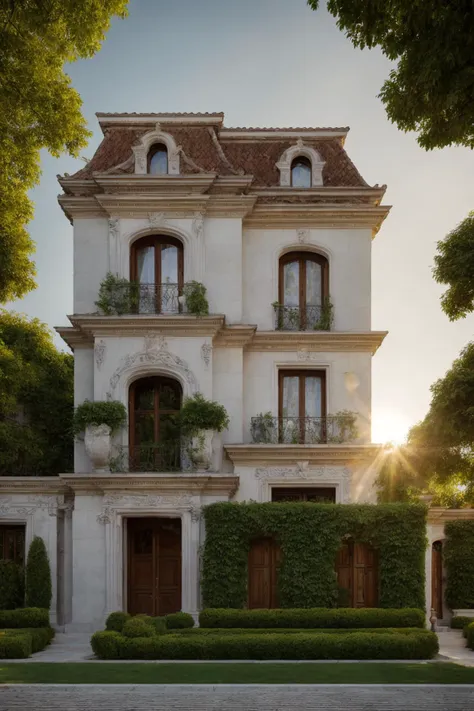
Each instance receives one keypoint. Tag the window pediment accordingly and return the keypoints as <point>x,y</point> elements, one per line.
<point>153,138</point>
<point>288,158</point>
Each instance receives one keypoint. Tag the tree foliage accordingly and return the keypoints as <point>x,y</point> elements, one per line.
<point>39,109</point>
<point>439,455</point>
<point>38,590</point>
<point>36,399</point>
<point>454,266</point>
<point>431,90</point>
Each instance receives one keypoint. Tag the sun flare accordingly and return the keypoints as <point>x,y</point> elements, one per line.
<point>389,426</point>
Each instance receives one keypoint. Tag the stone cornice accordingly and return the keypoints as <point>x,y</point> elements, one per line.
<point>234,336</point>
<point>140,324</point>
<point>269,454</point>
<point>275,216</point>
<point>141,482</point>
<point>319,341</point>
<point>32,485</point>
<point>74,337</point>
<point>161,185</point>
<point>372,195</point>
<point>139,205</point>
<point>438,514</point>
<point>247,135</point>
<point>144,120</point>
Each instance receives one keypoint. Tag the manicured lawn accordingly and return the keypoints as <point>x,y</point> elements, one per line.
<point>215,673</point>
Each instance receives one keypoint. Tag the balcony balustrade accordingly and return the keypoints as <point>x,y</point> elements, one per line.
<point>161,457</point>
<point>316,317</point>
<point>335,429</point>
<point>134,298</point>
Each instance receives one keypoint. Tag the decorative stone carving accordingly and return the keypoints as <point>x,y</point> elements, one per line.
<point>155,342</point>
<point>307,356</point>
<point>303,236</point>
<point>156,220</point>
<point>146,141</point>
<point>206,350</point>
<point>202,450</point>
<point>99,353</point>
<point>155,356</point>
<point>28,506</point>
<point>114,226</point>
<point>300,149</point>
<point>198,224</point>
<point>149,502</point>
<point>339,476</point>
<point>98,446</point>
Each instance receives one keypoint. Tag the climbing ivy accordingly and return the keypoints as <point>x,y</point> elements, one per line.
<point>458,556</point>
<point>310,536</point>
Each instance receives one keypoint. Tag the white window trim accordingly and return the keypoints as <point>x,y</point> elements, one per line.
<point>300,149</point>
<point>150,139</point>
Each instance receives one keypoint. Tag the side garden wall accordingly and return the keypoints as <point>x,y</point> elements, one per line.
<point>310,536</point>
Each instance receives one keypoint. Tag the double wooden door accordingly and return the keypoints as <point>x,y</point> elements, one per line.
<point>356,568</point>
<point>154,566</point>
<point>263,565</point>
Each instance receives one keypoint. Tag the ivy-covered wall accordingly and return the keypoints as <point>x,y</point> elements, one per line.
<point>458,555</point>
<point>310,536</point>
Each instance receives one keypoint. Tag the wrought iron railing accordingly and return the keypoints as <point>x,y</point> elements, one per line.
<point>134,298</point>
<point>161,457</point>
<point>317,317</point>
<point>336,429</point>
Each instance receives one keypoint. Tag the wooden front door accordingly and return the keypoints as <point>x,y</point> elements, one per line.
<point>12,543</point>
<point>154,566</point>
<point>264,563</point>
<point>437,578</point>
<point>356,568</point>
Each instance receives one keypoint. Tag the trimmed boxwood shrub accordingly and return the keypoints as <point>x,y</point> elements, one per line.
<point>15,646</point>
<point>310,536</point>
<point>313,618</point>
<point>138,628</point>
<point>12,585</point>
<point>38,590</point>
<point>469,634</point>
<point>116,620</point>
<point>26,617</point>
<point>40,636</point>
<point>458,622</point>
<point>179,621</point>
<point>458,557</point>
<point>199,631</point>
<point>361,645</point>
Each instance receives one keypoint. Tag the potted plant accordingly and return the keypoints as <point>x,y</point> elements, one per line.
<point>98,420</point>
<point>194,294</point>
<point>199,420</point>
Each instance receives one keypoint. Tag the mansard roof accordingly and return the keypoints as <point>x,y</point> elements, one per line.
<point>206,146</point>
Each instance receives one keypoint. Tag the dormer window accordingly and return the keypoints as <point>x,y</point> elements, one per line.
<point>158,160</point>
<point>301,172</point>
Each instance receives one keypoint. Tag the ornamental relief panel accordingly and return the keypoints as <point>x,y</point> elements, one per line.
<point>338,476</point>
<point>113,503</point>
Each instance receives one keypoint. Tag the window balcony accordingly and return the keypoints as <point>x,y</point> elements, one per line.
<point>333,429</point>
<point>161,457</point>
<point>303,318</point>
<point>134,298</point>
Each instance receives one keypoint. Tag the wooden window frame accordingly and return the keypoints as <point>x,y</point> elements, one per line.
<point>156,411</point>
<point>307,162</point>
<point>154,149</point>
<point>9,528</point>
<point>302,258</point>
<point>302,374</point>
<point>156,241</point>
<point>303,492</point>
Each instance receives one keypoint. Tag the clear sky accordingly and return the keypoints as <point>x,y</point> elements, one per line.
<point>277,63</point>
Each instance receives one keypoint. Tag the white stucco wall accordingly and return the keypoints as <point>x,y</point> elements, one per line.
<point>223,274</point>
<point>227,388</point>
<point>91,261</point>
<point>349,255</point>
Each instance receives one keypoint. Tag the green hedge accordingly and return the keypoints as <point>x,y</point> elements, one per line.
<point>38,588</point>
<point>310,536</point>
<point>137,628</point>
<point>458,556</point>
<point>225,631</point>
<point>15,646</point>
<point>116,621</point>
<point>469,635</point>
<point>459,622</point>
<point>40,636</point>
<point>12,585</point>
<point>313,618</point>
<point>23,618</point>
<point>361,645</point>
<point>177,620</point>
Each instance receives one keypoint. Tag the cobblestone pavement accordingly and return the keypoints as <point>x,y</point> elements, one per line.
<point>128,697</point>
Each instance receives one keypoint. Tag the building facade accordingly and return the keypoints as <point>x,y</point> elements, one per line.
<point>277,224</point>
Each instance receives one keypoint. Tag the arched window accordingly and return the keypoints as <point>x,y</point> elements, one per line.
<point>301,172</point>
<point>157,265</point>
<point>158,159</point>
<point>154,404</point>
<point>303,292</point>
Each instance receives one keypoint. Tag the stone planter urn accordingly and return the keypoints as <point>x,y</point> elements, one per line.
<point>98,446</point>
<point>202,450</point>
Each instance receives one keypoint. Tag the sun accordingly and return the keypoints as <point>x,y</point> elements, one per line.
<point>389,426</point>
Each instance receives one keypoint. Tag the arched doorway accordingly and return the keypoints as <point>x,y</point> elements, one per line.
<point>357,579</point>
<point>263,566</point>
<point>437,578</point>
<point>154,440</point>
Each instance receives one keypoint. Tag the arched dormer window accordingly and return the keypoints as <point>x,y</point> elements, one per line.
<point>157,163</point>
<point>301,172</point>
<point>303,292</point>
<point>156,265</point>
